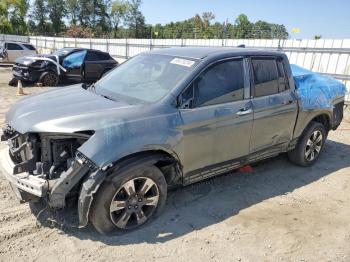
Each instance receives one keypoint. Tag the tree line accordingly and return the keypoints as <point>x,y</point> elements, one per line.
<point>120,19</point>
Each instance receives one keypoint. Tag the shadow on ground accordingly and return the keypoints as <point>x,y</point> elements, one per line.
<point>213,201</point>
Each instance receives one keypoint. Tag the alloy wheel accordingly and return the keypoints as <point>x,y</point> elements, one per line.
<point>313,145</point>
<point>134,202</point>
<point>51,80</point>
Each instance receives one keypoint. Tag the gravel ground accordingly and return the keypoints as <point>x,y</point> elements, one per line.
<point>279,212</point>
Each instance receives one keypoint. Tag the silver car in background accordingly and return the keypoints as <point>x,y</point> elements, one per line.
<point>10,51</point>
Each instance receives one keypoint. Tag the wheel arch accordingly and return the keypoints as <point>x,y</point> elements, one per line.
<point>324,119</point>
<point>166,162</point>
<point>306,117</point>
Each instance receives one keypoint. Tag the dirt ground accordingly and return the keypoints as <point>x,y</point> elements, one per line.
<point>279,212</point>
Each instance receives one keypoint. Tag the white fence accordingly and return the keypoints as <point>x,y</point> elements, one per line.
<point>326,56</point>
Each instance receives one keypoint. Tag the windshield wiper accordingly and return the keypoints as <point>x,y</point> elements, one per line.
<point>92,88</point>
<point>107,97</point>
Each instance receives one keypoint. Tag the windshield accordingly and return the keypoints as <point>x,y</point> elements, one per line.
<point>146,77</point>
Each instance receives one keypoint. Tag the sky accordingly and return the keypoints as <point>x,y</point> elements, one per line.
<point>329,18</point>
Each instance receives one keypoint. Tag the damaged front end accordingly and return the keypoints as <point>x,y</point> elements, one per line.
<point>47,166</point>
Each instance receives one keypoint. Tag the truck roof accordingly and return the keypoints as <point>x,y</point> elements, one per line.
<point>202,52</point>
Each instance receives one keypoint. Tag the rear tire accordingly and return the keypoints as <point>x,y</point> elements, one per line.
<point>128,199</point>
<point>310,145</point>
<point>49,79</point>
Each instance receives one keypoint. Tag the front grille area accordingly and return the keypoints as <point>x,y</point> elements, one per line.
<point>42,154</point>
<point>20,69</point>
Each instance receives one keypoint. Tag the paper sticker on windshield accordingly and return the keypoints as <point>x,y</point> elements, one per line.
<point>182,62</point>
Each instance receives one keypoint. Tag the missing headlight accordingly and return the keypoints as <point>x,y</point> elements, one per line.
<point>58,153</point>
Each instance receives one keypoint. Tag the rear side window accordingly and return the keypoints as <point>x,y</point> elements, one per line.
<point>220,83</point>
<point>265,76</point>
<point>12,46</point>
<point>97,56</point>
<point>29,47</point>
<point>105,56</point>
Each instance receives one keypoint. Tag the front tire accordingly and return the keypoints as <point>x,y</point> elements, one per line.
<point>128,199</point>
<point>309,146</point>
<point>50,79</point>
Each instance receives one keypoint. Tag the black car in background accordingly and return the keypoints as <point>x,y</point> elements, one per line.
<point>67,65</point>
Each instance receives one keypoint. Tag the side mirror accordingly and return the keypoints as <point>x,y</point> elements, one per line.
<point>185,100</point>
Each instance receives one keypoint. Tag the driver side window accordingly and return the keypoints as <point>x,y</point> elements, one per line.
<point>74,60</point>
<point>221,83</point>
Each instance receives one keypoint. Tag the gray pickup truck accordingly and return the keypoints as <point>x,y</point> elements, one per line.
<point>162,119</point>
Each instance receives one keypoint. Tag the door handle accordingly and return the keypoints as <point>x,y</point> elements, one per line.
<point>243,112</point>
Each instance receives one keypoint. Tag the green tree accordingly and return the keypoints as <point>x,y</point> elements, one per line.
<point>135,20</point>
<point>217,30</point>
<point>261,30</point>
<point>57,11</point>
<point>203,27</point>
<point>207,17</point>
<point>5,26</point>
<point>279,31</point>
<point>39,16</point>
<point>95,15</point>
<point>243,27</point>
<point>17,13</point>
<point>86,8</point>
<point>101,18</point>
<point>73,10</point>
<point>120,8</point>
<point>198,26</point>
<point>12,16</point>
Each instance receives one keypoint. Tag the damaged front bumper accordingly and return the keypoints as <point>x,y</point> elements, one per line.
<point>31,179</point>
<point>26,186</point>
<point>26,73</point>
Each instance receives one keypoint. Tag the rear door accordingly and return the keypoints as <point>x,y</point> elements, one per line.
<point>274,105</point>
<point>218,122</point>
<point>29,49</point>
<point>14,51</point>
<point>96,64</point>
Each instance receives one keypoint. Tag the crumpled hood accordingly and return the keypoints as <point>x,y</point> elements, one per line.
<point>28,60</point>
<point>64,109</point>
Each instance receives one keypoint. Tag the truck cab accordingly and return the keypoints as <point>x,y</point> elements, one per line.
<point>161,120</point>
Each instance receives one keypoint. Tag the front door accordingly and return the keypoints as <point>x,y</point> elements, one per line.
<point>73,64</point>
<point>217,126</point>
<point>93,66</point>
<point>274,105</point>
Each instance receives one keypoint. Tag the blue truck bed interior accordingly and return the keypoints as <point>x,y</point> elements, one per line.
<point>316,90</point>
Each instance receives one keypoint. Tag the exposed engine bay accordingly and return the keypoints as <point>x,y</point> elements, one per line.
<point>46,155</point>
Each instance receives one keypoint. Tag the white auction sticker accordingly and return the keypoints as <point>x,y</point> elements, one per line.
<point>182,62</point>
